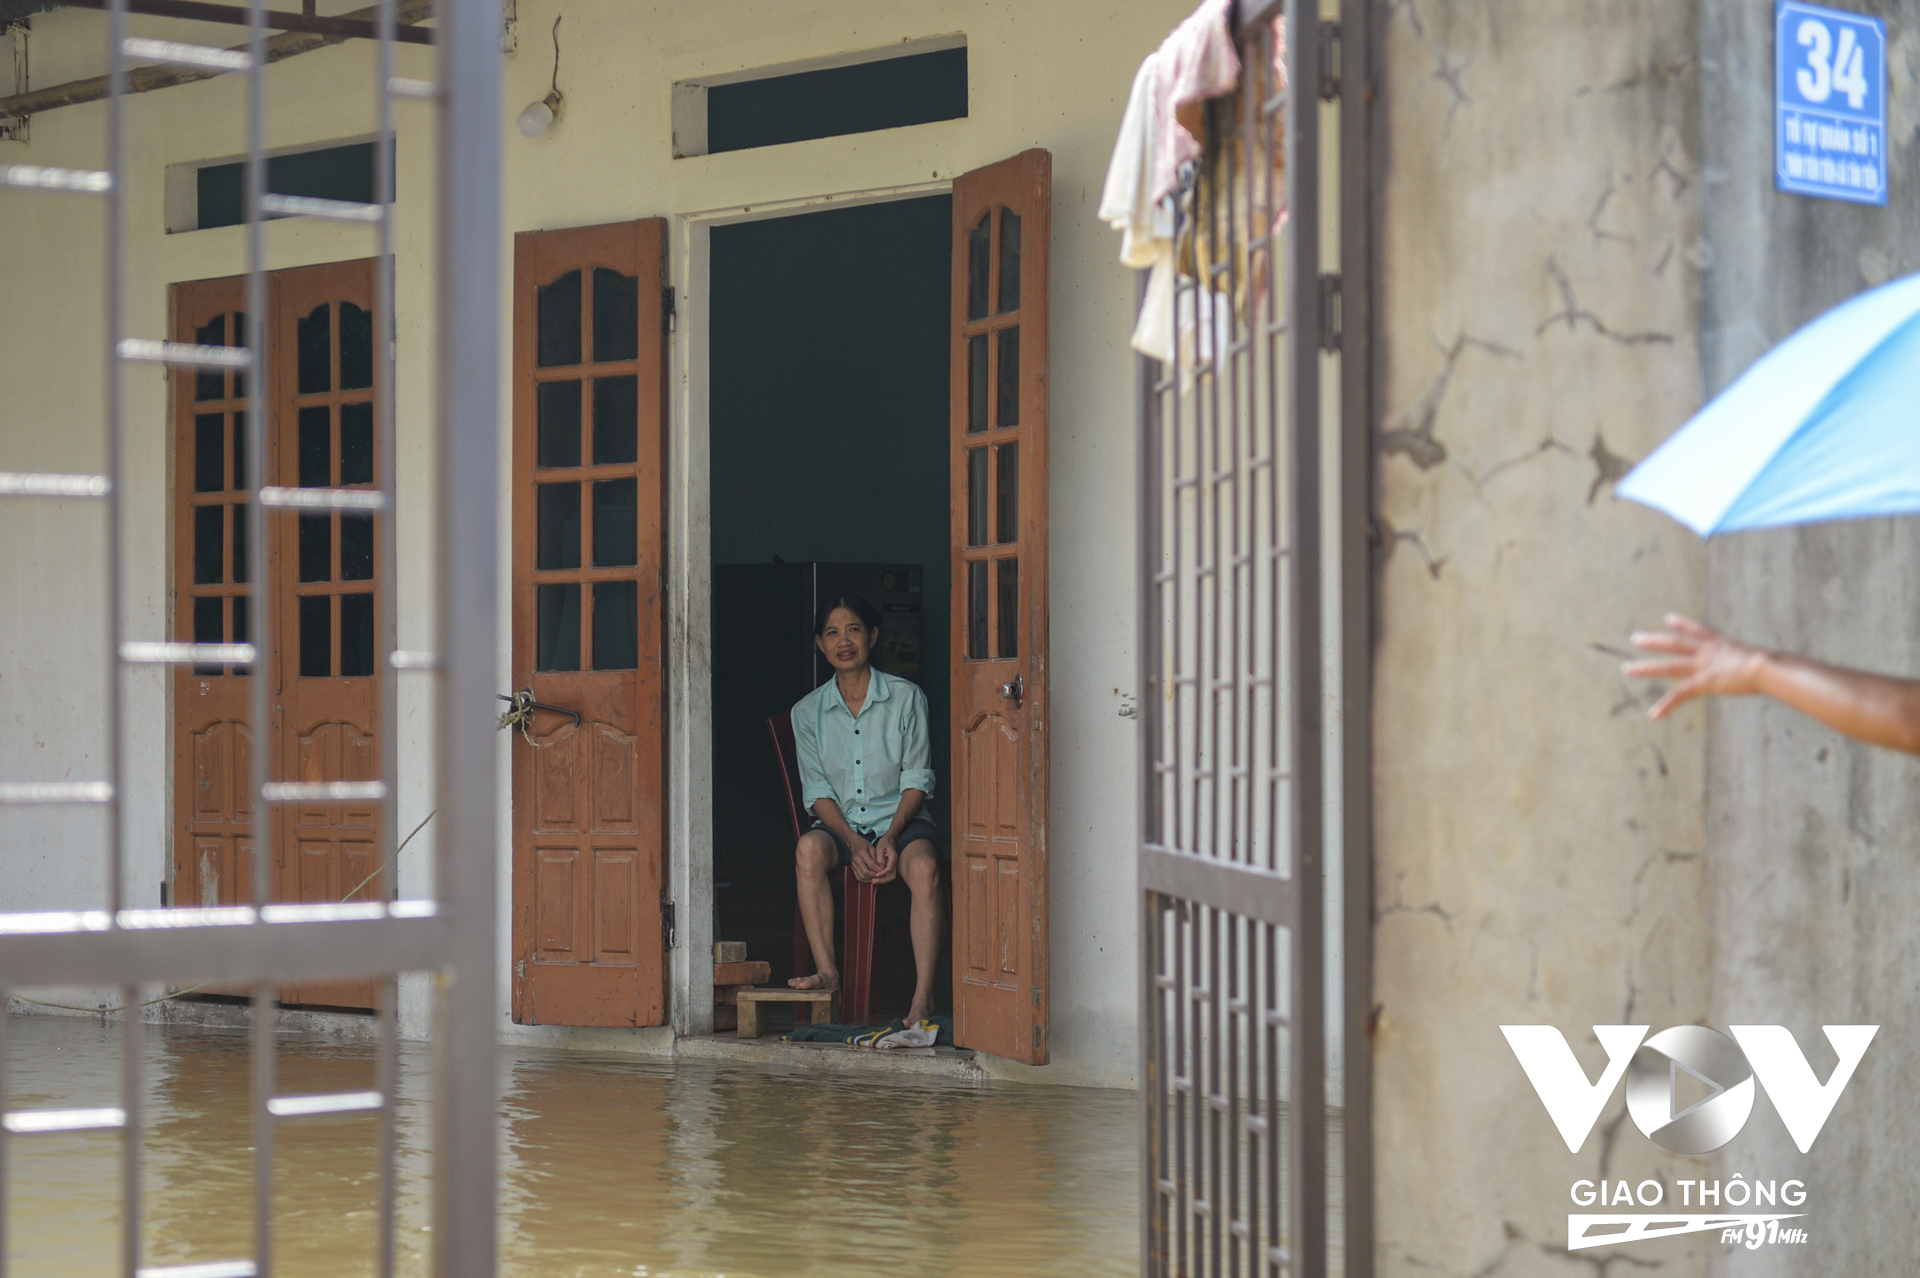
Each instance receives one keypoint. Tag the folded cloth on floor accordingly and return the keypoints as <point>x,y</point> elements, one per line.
<point>935,1031</point>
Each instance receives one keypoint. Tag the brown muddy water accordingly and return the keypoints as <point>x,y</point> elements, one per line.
<point>608,1166</point>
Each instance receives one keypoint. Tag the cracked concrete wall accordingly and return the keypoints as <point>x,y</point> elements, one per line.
<point>1811,837</point>
<point>1538,841</point>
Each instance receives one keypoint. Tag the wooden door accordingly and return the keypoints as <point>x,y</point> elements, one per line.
<point>212,743</point>
<point>321,650</point>
<point>589,598</point>
<point>999,663</point>
<point>320,383</point>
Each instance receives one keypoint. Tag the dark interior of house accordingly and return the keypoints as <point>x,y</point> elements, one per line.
<point>829,419</point>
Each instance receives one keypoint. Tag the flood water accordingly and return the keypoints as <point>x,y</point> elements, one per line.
<point>608,1166</point>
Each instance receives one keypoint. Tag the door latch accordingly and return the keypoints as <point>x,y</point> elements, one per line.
<point>1015,691</point>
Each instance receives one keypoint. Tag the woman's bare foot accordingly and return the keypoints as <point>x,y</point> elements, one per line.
<point>818,981</point>
<point>918,1012</point>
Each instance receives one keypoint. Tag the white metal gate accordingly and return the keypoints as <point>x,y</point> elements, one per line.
<point>1236,758</point>
<point>451,935</point>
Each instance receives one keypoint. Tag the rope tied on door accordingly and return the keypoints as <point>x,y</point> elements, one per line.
<point>519,714</point>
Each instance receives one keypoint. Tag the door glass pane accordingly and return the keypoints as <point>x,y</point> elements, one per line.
<point>240,629</point>
<point>1009,261</point>
<point>558,541</point>
<point>615,625</point>
<point>976,383</point>
<point>209,452</point>
<point>240,544</point>
<point>316,636</point>
<point>559,337</point>
<point>207,621</point>
<point>315,340</point>
<point>1009,608</point>
<point>209,545</point>
<point>1007,406</point>
<point>240,479</point>
<point>356,635</point>
<point>557,643</point>
<point>242,336</point>
<point>1009,493</point>
<point>316,547</point>
<point>615,524</point>
<point>616,420</point>
<point>616,316</point>
<point>976,496</point>
<point>211,383</point>
<point>559,417</point>
<point>979,251</point>
<point>977,611</point>
<point>356,548</point>
<point>356,444</point>
<point>356,344</point>
<point>206,628</point>
<point>316,437</point>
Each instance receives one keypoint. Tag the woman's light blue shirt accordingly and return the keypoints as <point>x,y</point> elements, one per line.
<point>863,763</point>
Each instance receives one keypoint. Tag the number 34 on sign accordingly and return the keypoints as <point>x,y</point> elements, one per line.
<point>1830,103</point>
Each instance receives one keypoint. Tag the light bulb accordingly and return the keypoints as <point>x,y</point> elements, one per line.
<point>534,120</point>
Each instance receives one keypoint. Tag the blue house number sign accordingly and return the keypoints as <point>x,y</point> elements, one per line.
<point>1830,103</point>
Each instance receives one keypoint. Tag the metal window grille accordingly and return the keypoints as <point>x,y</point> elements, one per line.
<point>450,935</point>
<point>1234,757</point>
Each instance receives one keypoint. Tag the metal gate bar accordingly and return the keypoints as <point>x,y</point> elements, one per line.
<point>450,935</point>
<point>1232,770</point>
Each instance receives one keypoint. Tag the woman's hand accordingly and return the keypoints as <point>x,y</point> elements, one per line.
<point>1701,662</point>
<point>889,859</point>
<point>866,859</point>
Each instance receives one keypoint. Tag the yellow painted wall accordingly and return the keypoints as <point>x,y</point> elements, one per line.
<point>1052,76</point>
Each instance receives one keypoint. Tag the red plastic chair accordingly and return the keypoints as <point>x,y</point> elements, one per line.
<point>856,933</point>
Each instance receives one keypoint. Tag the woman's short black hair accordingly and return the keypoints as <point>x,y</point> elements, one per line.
<point>855,604</point>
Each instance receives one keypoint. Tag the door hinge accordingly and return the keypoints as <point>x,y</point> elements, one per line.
<point>1038,1047</point>
<point>1329,59</point>
<point>666,309</point>
<point>1330,312</point>
<point>666,920</point>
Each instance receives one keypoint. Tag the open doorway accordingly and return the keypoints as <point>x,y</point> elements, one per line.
<point>829,406</point>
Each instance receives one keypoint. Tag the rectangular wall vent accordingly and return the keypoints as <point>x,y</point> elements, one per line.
<point>916,82</point>
<point>209,193</point>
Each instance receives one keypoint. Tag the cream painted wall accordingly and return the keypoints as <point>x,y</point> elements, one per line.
<point>1539,843</point>
<point>1047,76</point>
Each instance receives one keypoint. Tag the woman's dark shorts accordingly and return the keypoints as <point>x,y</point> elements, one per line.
<point>918,828</point>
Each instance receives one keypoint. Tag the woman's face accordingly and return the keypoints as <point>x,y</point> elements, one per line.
<point>846,641</point>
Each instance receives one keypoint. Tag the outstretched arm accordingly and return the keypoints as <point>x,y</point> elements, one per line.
<point>1878,709</point>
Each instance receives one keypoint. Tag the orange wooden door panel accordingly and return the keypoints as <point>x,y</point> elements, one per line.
<point>321,432</point>
<point>1001,234</point>
<point>212,808</point>
<point>320,381</point>
<point>589,505</point>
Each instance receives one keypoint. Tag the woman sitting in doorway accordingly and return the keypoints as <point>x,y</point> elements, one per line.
<point>865,774</point>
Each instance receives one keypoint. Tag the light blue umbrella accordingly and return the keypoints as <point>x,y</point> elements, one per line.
<point>1826,425</point>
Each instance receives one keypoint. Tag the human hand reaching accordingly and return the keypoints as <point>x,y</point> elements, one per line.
<point>1700,660</point>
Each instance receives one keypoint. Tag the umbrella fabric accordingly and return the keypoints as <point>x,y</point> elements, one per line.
<point>1826,425</point>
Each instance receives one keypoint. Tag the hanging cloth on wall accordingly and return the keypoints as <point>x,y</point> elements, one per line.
<point>1174,139</point>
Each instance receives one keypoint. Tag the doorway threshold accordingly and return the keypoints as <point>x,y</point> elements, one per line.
<point>956,1063</point>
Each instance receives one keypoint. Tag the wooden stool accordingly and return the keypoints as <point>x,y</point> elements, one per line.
<point>824,1004</point>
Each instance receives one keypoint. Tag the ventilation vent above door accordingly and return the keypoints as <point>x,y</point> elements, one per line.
<point>916,82</point>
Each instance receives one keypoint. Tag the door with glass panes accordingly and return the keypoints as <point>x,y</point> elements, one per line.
<point>321,627</point>
<point>999,475</point>
<point>589,617</point>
